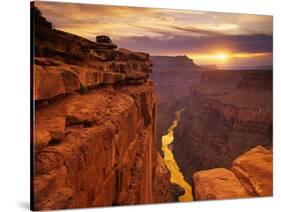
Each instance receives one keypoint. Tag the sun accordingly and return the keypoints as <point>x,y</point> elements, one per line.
<point>221,56</point>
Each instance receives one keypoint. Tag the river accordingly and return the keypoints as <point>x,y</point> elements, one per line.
<point>176,175</point>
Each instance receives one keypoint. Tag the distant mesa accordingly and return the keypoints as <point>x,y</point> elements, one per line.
<point>173,59</point>
<point>180,62</point>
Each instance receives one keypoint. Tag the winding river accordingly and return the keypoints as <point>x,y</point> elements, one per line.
<point>176,175</point>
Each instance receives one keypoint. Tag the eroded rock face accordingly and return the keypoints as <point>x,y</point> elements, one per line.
<point>94,125</point>
<point>250,176</point>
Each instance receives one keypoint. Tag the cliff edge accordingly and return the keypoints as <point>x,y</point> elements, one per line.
<point>94,126</point>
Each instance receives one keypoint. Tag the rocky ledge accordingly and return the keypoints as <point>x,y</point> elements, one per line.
<point>249,176</point>
<point>94,124</point>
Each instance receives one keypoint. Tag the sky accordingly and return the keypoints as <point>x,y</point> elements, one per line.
<point>228,40</point>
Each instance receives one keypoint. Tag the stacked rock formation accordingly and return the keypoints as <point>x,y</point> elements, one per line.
<point>94,124</point>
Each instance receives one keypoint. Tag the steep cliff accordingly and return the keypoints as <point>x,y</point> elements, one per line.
<point>228,113</point>
<point>94,126</point>
<point>250,176</point>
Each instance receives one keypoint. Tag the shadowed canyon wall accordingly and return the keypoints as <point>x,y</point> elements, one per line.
<point>95,122</point>
<point>228,113</point>
<point>173,78</point>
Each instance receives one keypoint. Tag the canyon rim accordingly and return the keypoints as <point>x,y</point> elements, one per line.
<point>143,106</point>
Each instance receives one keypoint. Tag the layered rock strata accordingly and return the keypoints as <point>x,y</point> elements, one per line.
<point>94,124</point>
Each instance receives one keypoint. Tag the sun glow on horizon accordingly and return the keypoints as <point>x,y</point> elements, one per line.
<point>223,57</point>
<point>218,57</point>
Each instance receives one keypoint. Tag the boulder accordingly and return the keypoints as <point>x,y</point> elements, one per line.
<point>218,183</point>
<point>103,39</point>
<point>254,171</point>
<point>250,176</point>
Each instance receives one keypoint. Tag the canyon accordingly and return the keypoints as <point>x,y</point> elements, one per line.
<point>94,124</point>
<point>227,113</point>
<point>173,78</point>
<point>119,127</point>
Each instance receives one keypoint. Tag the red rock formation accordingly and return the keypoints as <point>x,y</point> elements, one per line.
<point>250,176</point>
<point>94,125</point>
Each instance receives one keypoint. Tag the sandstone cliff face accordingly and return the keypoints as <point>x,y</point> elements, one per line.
<point>94,125</point>
<point>250,176</point>
<point>228,113</point>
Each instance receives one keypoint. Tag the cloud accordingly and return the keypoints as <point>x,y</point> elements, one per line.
<point>87,19</point>
<point>196,30</point>
<point>164,31</point>
<point>171,44</point>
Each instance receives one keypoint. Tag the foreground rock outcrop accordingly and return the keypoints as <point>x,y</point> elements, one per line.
<point>218,183</point>
<point>94,127</point>
<point>254,170</point>
<point>250,176</point>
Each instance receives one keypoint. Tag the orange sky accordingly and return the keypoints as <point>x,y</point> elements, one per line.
<point>224,39</point>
